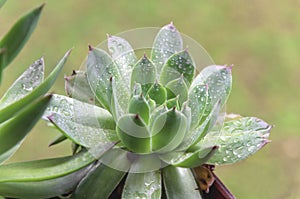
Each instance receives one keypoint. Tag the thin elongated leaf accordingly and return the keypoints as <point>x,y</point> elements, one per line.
<point>27,82</point>
<point>180,183</point>
<point>219,81</point>
<point>99,183</point>
<point>239,138</point>
<point>144,73</point>
<point>40,90</point>
<point>2,2</point>
<point>18,35</point>
<point>197,101</point>
<point>83,123</point>
<point>13,131</point>
<point>180,64</point>
<point>189,159</point>
<point>123,56</point>
<point>78,87</point>
<point>100,70</point>
<point>44,188</point>
<point>44,169</point>
<point>143,185</point>
<point>167,42</point>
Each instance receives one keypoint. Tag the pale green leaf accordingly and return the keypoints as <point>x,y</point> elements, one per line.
<point>26,83</point>
<point>14,130</point>
<point>180,183</point>
<point>143,185</point>
<point>40,90</point>
<point>167,42</point>
<point>83,123</point>
<point>179,64</point>
<point>238,139</point>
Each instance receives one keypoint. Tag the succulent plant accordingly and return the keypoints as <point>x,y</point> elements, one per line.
<point>141,128</point>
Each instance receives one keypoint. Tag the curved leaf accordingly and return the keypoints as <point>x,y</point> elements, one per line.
<point>197,101</point>
<point>167,42</point>
<point>178,87</point>
<point>168,130</point>
<point>99,183</point>
<point>83,123</point>
<point>180,183</point>
<point>134,133</point>
<point>219,81</point>
<point>47,169</point>
<point>194,136</point>
<point>27,82</point>
<point>77,87</point>
<point>100,69</point>
<point>189,159</point>
<point>238,139</point>
<point>44,188</point>
<point>40,90</point>
<point>18,35</point>
<point>123,56</point>
<point>158,93</point>
<point>144,73</point>
<point>143,185</point>
<point>13,131</point>
<point>179,64</point>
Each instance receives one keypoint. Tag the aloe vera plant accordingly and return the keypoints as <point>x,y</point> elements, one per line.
<point>142,128</point>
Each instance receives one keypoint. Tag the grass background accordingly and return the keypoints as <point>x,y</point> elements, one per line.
<point>260,37</point>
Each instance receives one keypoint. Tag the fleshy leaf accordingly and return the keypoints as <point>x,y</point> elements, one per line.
<point>180,64</point>
<point>194,136</point>
<point>44,169</point>
<point>123,56</point>
<point>77,87</point>
<point>177,87</point>
<point>144,73</point>
<point>139,105</point>
<point>43,188</point>
<point>100,69</point>
<point>10,110</point>
<point>18,35</point>
<point>134,133</point>
<point>167,42</point>
<point>99,183</point>
<point>27,82</point>
<point>142,185</point>
<point>13,131</point>
<point>239,138</point>
<point>218,80</point>
<point>180,183</point>
<point>197,101</point>
<point>144,163</point>
<point>83,123</point>
<point>189,159</point>
<point>158,93</point>
<point>36,178</point>
<point>168,130</point>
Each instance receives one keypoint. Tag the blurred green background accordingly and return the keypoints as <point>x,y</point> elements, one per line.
<point>260,37</point>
